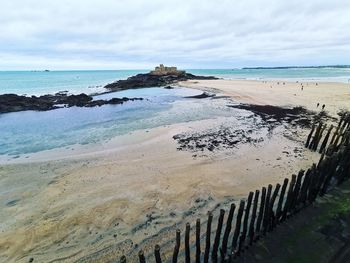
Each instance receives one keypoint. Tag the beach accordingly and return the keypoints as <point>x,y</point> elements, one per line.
<point>66,205</point>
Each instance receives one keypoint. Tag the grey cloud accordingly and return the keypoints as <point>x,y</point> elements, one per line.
<point>191,33</point>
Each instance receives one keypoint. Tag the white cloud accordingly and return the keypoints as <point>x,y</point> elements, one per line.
<point>189,33</point>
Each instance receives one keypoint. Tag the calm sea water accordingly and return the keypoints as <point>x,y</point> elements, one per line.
<point>39,83</point>
<point>30,131</point>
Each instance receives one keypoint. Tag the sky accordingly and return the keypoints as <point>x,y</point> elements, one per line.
<point>139,34</point>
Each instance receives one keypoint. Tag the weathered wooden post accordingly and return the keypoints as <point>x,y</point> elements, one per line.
<point>335,134</point>
<point>345,166</point>
<point>267,207</point>
<point>280,201</point>
<point>207,240</point>
<point>322,173</point>
<point>315,138</point>
<point>253,218</point>
<point>246,217</point>
<point>326,138</point>
<point>304,187</point>
<point>309,136</point>
<point>289,198</point>
<point>297,190</point>
<point>177,246</point>
<point>157,254</point>
<point>238,226</point>
<point>187,244</point>
<point>198,241</point>
<point>272,204</point>
<point>261,211</point>
<point>214,253</point>
<point>313,183</point>
<point>227,230</point>
<point>319,137</point>
<point>142,257</point>
<point>330,173</point>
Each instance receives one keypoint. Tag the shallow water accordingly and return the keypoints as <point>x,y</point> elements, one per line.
<point>30,131</point>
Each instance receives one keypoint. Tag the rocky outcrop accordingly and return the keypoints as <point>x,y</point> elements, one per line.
<point>204,95</point>
<point>13,102</point>
<point>152,80</point>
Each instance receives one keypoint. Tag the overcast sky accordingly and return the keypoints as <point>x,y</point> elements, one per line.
<point>116,34</point>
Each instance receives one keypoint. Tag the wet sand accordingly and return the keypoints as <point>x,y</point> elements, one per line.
<point>64,205</point>
<point>335,96</point>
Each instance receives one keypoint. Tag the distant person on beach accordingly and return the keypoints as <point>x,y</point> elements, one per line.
<point>318,104</point>
<point>323,106</point>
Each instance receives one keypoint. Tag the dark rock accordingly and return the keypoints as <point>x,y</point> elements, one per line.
<point>274,115</point>
<point>152,80</point>
<point>12,202</point>
<point>201,96</point>
<point>168,87</point>
<point>13,102</point>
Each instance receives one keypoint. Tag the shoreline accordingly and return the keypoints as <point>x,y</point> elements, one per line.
<point>107,195</point>
<point>230,88</point>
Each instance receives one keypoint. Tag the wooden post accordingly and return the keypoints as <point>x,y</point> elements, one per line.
<point>252,220</point>
<point>238,226</point>
<point>267,211</point>
<point>322,173</point>
<point>280,201</point>
<point>177,246</point>
<point>326,138</point>
<point>297,190</point>
<point>123,259</point>
<point>345,167</point>
<point>309,136</point>
<point>214,253</point>
<point>187,244</point>
<point>246,217</point>
<point>261,211</point>
<point>157,254</point>
<point>198,241</point>
<point>142,257</point>
<point>289,198</point>
<point>317,133</point>
<point>319,137</point>
<point>207,240</point>
<point>304,187</point>
<point>240,245</point>
<point>334,135</point>
<point>312,184</point>
<point>272,204</point>
<point>330,173</point>
<point>227,230</point>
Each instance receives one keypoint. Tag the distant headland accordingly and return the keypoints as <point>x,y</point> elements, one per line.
<point>300,67</point>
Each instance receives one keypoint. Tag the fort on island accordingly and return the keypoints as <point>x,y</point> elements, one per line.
<point>162,70</point>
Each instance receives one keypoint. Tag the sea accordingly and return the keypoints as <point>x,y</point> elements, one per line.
<point>93,81</point>
<point>23,133</point>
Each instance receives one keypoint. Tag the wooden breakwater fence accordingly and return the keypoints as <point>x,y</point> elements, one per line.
<point>263,210</point>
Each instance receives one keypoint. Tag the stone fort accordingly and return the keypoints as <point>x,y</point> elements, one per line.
<point>162,70</point>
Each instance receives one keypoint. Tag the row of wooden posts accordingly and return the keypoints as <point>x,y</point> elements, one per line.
<point>264,210</point>
<point>340,134</point>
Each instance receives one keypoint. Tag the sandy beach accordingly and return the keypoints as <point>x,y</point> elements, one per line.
<point>69,205</point>
<point>335,96</point>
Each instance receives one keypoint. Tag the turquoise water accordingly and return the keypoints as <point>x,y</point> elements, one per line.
<point>30,131</point>
<point>307,74</point>
<point>39,83</point>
